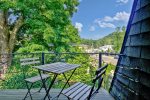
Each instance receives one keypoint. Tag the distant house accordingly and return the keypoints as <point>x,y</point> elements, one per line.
<point>83,46</point>
<point>106,48</point>
<point>88,50</point>
<point>95,50</point>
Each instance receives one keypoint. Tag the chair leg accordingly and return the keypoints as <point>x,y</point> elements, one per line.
<point>25,96</point>
<point>44,86</point>
<point>29,88</point>
<point>50,86</point>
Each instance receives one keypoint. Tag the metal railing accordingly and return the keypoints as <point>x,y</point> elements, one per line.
<point>89,61</point>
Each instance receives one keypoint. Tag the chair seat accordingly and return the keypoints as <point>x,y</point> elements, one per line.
<point>81,91</point>
<point>36,78</point>
<point>78,91</point>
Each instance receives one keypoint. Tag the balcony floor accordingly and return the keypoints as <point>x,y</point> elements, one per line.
<point>18,94</point>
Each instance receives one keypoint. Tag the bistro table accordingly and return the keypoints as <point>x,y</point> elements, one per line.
<point>57,69</point>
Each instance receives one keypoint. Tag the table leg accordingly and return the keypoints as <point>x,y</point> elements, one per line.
<point>66,78</point>
<point>43,82</point>
<point>53,80</point>
<point>66,83</point>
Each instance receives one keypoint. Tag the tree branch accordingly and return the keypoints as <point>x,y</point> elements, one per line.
<point>13,33</point>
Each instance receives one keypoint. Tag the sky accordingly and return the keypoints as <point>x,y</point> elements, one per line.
<point>98,18</point>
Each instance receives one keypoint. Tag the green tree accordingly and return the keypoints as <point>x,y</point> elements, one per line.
<point>118,38</point>
<point>36,22</point>
<point>123,29</point>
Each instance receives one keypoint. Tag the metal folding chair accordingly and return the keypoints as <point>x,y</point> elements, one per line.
<point>26,65</point>
<point>82,91</point>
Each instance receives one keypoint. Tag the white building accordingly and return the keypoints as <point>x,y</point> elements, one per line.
<point>106,48</point>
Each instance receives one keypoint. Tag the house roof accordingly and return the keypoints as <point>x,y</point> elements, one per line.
<point>131,79</point>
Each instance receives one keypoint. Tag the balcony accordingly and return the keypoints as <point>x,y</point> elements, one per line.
<point>12,87</point>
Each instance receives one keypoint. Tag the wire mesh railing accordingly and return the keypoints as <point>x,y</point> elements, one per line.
<point>12,78</point>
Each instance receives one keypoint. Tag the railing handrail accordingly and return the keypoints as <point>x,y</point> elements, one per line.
<point>74,53</point>
<point>62,53</point>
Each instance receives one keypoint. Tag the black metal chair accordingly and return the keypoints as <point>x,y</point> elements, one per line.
<point>81,91</point>
<point>26,65</point>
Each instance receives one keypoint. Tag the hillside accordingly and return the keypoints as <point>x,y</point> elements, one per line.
<point>115,38</point>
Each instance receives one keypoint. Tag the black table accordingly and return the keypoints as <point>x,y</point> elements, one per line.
<point>57,69</point>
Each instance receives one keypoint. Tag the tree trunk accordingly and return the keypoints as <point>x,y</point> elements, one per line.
<point>4,39</point>
<point>7,39</point>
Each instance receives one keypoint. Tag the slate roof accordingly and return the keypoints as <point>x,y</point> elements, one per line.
<point>132,76</point>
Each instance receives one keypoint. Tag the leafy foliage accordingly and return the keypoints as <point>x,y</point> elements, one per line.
<point>44,22</point>
<point>108,77</point>
<point>14,78</point>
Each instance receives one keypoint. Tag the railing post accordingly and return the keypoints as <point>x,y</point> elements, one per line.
<point>100,65</point>
<point>43,58</point>
<point>100,60</point>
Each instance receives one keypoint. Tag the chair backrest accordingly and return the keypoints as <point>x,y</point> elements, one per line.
<point>99,77</point>
<point>26,62</point>
<point>29,61</point>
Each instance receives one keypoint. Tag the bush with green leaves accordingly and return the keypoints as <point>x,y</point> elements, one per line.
<point>108,77</point>
<point>16,80</point>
